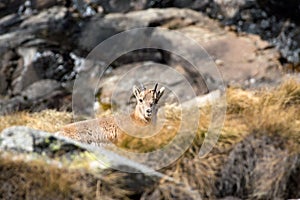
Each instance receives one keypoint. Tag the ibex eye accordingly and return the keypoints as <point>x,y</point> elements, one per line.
<point>141,100</point>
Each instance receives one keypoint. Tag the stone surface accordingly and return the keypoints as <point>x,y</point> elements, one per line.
<point>242,57</point>
<point>112,24</point>
<point>177,85</point>
<point>112,6</point>
<point>26,140</point>
<point>44,4</point>
<point>25,74</point>
<point>10,6</point>
<point>21,141</point>
<point>51,42</point>
<point>36,97</point>
<point>230,8</point>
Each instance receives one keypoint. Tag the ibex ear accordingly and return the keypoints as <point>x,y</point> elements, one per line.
<point>159,94</point>
<point>136,91</point>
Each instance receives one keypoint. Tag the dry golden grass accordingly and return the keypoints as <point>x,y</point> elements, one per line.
<point>264,153</point>
<point>267,111</point>
<point>273,113</point>
<point>167,132</point>
<point>39,179</point>
<point>276,113</point>
<point>47,120</point>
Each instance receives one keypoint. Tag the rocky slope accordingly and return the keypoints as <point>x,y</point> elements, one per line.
<point>44,43</point>
<point>257,156</point>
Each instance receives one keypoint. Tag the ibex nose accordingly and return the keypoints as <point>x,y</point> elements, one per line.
<point>148,110</point>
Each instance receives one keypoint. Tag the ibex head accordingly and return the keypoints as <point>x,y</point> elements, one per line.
<point>147,100</point>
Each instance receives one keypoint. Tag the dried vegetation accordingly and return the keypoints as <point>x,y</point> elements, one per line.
<point>257,155</point>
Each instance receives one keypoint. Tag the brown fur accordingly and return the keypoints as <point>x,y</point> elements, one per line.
<point>105,130</point>
<point>96,131</point>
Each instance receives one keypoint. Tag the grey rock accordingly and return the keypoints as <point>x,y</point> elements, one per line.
<point>49,23</point>
<point>40,89</point>
<point>43,41</point>
<point>112,24</point>
<point>7,22</point>
<point>140,55</point>
<point>38,96</point>
<point>25,74</point>
<point>230,198</point>
<point>230,8</point>
<point>201,101</point>
<point>19,139</point>
<point>11,105</point>
<point>258,60</point>
<point>84,8</point>
<point>45,18</point>
<point>44,4</point>
<point>22,148</point>
<point>54,65</point>
<point>14,39</point>
<point>85,86</point>
<point>3,84</point>
<point>27,140</point>
<point>30,65</point>
<point>192,4</point>
<point>10,6</point>
<point>178,87</point>
<point>115,6</point>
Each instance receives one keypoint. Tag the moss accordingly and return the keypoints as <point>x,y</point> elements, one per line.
<point>55,147</point>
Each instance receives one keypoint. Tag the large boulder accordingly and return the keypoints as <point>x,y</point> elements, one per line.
<point>54,156</point>
<point>51,43</point>
<point>257,64</point>
<point>99,28</point>
<point>113,89</point>
<point>36,97</point>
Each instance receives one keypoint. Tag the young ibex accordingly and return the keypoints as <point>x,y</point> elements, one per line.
<point>105,130</point>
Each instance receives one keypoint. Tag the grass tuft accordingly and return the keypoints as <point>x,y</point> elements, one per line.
<point>47,120</point>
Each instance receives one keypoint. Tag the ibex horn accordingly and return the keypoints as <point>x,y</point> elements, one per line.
<point>142,87</point>
<point>155,87</point>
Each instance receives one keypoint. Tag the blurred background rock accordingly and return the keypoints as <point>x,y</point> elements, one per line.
<point>252,42</point>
